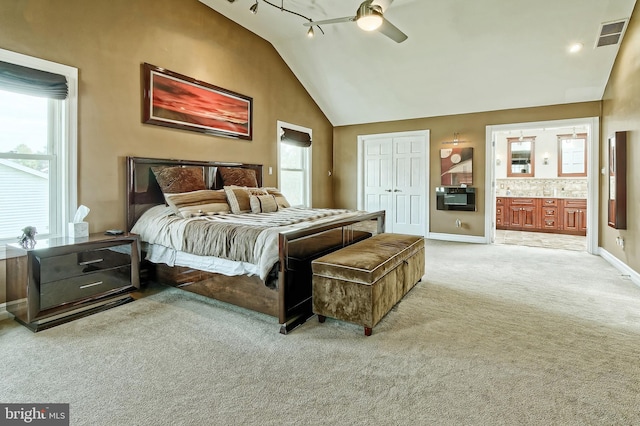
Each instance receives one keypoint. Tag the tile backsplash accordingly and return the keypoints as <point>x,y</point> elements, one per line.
<point>525,187</point>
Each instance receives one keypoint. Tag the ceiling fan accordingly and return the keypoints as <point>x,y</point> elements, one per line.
<point>369,17</point>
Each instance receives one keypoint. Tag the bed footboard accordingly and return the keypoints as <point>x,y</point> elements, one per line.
<point>298,248</point>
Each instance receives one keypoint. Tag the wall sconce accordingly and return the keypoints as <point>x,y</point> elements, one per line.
<point>545,159</point>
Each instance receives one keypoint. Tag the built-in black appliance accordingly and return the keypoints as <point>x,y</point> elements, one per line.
<point>456,198</point>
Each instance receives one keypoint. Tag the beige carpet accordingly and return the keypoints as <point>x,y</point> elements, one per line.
<point>495,335</point>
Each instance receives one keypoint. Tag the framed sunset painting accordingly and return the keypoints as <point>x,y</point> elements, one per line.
<point>174,100</point>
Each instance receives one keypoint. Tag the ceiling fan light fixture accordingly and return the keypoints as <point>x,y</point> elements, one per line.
<point>310,33</point>
<point>369,18</point>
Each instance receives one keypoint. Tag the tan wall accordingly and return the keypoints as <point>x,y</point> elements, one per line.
<point>108,40</point>
<point>471,128</point>
<point>621,112</point>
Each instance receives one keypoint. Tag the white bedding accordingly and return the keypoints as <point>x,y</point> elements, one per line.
<point>166,234</point>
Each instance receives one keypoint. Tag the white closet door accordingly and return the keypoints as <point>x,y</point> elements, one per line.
<point>378,177</point>
<point>409,189</point>
<point>395,178</point>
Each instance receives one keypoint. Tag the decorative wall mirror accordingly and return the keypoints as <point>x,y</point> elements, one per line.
<point>572,155</point>
<point>521,156</point>
<point>618,180</point>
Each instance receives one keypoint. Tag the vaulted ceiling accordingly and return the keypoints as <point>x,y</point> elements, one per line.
<point>461,56</point>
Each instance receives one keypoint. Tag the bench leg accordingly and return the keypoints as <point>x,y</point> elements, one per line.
<point>367,331</point>
<point>321,318</point>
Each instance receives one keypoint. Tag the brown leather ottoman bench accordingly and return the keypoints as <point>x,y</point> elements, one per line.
<point>362,282</point>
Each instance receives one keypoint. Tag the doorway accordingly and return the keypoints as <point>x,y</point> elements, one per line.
<point>551,200</point>
<point>392,176</point>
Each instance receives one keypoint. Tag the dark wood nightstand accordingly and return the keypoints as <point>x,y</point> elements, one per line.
<point>62,279</point>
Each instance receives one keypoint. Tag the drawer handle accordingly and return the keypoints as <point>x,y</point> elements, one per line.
<point>91,285</point>
<point>89,262</point>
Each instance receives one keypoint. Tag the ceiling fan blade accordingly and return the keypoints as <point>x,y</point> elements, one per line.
<point>384,4</point>
<point>330,21</point>
<point>391,31</point>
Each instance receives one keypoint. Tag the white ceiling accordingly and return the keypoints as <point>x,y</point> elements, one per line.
<point>461,55</point>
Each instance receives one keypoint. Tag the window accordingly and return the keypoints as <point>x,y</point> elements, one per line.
<point>37,148</point>
<point>294,164</point>
<point>572,155</point>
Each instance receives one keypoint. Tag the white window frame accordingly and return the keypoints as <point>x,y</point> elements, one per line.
<point>307,196</point>
<point>66,192</point>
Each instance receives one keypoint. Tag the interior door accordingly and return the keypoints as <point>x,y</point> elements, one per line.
<point>395,181</point>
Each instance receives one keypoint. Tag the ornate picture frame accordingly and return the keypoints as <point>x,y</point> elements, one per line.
<point>175,100</point>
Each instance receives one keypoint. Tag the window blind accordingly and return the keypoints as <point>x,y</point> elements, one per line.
<point>295,137</point>
<point>29,81</point>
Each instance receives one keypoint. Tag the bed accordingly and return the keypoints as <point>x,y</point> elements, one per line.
<point>259,259</point>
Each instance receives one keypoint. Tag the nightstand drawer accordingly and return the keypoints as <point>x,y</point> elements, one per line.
<point>55,268</point>
<point>56,293</point>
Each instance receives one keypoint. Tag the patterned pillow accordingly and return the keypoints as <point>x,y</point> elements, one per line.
<point>239,197</point>
<point>263,204</point>
<point>179,179</point>
<point>235,176</point>
<point>197,203</point>
<point>279,196</point>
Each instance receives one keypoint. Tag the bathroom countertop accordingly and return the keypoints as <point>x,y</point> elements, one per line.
<point>540,196</point>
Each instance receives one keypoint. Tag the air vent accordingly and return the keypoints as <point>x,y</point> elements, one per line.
<point>611,33</point>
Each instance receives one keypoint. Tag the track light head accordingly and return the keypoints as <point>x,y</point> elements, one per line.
<point>254,8</point>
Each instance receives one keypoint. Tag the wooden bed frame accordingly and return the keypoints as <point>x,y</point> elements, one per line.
<point>290,301</point>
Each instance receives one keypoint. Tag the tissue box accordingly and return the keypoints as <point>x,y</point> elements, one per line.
<point>78,229</point>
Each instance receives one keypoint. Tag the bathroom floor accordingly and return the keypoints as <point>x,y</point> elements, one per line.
<point>541,239</point>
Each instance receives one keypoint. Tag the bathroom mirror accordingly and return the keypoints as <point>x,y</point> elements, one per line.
<point>572,155</point>
<point>618,180</point>
<point>520,154</point>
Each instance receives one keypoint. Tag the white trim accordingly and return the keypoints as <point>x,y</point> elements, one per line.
<point>457,238</point>
<point>620,265</point>
<point>69,174</point>
<point>593,174</point>
<point>426,133</point>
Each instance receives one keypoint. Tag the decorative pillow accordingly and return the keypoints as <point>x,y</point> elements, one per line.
<point>235,176</point>
<point>263,204</point>
<point>179,179</point>
<point>197,203</point>
<point>239,197</point>
<point>279,196</point>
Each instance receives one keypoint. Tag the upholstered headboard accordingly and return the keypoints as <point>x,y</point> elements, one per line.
<point>143,190</point>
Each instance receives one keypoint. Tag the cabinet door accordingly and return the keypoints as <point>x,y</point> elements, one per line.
<point>574,215</point>
<point>515,217</point>
<point>529,217</point>
<point>571,219</point>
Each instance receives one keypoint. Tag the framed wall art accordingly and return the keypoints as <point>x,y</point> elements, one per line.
<point>456,166</point>
<point>174,100</point>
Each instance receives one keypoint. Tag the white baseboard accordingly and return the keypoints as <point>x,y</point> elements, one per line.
<point>620,266</point>
<point>456,238</point>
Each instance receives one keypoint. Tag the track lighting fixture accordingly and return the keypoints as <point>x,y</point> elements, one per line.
<point>310,32</point>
